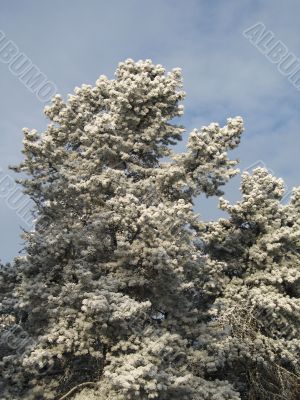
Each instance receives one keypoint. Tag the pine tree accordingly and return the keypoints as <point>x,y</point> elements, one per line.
<point>114,287</point>
<point>123,292</point>
<point>260,305</point>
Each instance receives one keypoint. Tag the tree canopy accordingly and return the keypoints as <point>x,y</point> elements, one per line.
<point>124,292</point>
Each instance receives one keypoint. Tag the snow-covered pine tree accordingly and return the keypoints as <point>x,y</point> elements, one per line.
<point>260,305</point>
<point>114,288</point>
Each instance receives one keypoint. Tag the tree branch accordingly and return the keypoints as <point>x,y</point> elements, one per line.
<point>75,388</point>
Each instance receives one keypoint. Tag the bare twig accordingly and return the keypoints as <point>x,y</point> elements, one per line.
<point>75,388</point>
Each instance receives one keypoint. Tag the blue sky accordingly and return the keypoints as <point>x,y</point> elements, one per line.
<point>73,42</point>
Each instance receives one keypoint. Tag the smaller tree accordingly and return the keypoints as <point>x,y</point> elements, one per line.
<point>260,304</point>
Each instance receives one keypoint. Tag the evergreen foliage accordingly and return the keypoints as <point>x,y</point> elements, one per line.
<point>124,293</point>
